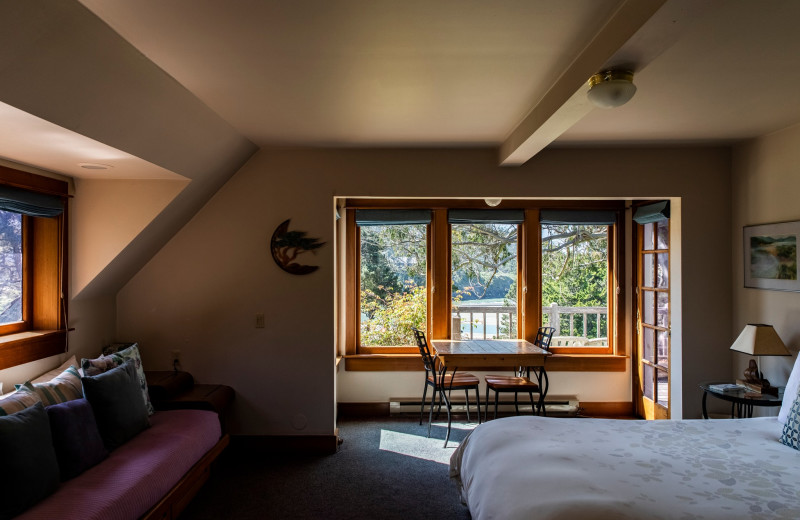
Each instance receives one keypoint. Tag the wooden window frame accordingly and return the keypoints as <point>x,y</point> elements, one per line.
<point>357,357</point>
<point>43,330</point>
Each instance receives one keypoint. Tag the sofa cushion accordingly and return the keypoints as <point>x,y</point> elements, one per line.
<point>93,367</point>
<point>137,475</point>
<point>28,460</point>
<point>13,402</point>
<point>64,387</point>
<point>76,439</point>
<point>117,404</point>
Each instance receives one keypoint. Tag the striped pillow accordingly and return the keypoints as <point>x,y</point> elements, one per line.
<point>62,388</point>
<point>18,401</point>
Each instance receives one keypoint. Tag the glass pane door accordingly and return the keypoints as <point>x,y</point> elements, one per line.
<point>653,327</point>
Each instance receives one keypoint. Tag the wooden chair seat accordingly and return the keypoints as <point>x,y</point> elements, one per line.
<point>460,380</point>
<point>512,383</point>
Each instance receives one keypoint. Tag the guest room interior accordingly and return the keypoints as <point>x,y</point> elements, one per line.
<point>187,132</point>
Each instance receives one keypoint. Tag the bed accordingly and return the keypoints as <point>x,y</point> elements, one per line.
<point>559,468</point>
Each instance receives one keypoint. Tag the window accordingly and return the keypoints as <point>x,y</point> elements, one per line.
<point>483,252</point>
<point>575,281</point>
<point>465,271</point>
<point>393,289</point>
<point>32,281</point>
<point>11,269</point>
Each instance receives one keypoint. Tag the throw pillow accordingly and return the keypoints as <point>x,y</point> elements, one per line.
<point>62,388</point>
<point>117,404</point>
<point>47,376</point>
<point>791,429</point>
<point>29,460</point>
<point>132,354</point>
<point>93,367</point>
<point>17,401</point>
<point>792,386</point>
<point>76,439</point>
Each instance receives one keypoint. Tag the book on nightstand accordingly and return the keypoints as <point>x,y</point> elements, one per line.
<point>727,388</point>
<point>761,389</point>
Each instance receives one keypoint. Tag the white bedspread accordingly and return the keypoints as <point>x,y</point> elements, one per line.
<point>550,468</point>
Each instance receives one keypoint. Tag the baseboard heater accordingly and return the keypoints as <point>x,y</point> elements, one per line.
<point>556,406</point>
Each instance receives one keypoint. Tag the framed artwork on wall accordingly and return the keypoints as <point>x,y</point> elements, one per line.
<point>770,256</point>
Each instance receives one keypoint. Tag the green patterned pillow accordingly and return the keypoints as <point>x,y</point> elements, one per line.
<point>132,354</point>
<point>17,401</point>
<point>791,428</point>
<point>62,388</point>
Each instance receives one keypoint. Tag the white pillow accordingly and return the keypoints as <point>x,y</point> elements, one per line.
<point>790,393</point>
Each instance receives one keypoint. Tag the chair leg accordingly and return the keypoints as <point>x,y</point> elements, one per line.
<point>447,407</point>
<point>496,396</point>
<point>534,407</point>
<point>478,402</point>
<point>466,393</point>
<point>430,412</point>
<point>486,409</point>
<point>422,404</point>
<point>516,405</point>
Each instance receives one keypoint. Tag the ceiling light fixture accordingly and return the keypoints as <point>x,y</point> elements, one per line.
<point>493,201</point>
<point>94,166</point>
<point>611,88</point>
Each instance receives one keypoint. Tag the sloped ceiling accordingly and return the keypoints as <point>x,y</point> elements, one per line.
<point>188,89</point>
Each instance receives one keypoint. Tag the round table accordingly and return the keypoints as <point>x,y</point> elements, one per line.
<point>742,401</point>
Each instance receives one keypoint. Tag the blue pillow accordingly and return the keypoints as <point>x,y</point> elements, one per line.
<point>117,403</point>
<point>76,438</point>
<point>28,460</point>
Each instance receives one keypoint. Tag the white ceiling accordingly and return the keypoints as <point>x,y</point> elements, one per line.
<point>350,72</point>
<point>465,72</point>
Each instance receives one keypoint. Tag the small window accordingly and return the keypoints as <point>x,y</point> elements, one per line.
<point>33,240</point>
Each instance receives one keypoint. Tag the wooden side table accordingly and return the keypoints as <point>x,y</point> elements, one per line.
<point>742,402</point>
<point>171,390</point>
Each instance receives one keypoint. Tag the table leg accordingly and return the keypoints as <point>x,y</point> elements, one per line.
<point>705,412</point>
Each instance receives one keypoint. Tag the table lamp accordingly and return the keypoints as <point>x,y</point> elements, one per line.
<point>758,339</point>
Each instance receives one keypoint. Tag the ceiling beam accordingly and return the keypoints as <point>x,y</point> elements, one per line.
<point>565,102</point>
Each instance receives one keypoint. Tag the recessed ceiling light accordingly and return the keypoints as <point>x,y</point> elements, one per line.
<point>94,166</point>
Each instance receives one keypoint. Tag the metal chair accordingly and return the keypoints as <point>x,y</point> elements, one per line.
<point>436,377</point>
<point>521,380</point>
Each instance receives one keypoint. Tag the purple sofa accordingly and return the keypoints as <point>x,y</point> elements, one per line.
<point>153,475</point>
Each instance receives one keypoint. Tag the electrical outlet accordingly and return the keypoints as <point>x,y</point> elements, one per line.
<point>260,320</point>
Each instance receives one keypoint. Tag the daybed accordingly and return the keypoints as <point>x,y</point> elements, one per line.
<point>557,468</point>
<point>154,475</point>
<point>87,444</point>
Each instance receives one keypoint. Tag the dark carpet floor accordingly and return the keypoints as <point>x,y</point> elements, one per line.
<point>385,469</point>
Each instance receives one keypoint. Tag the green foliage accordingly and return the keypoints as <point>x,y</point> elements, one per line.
<point>484,260</point>
<point>574,265</point>
<point>391,318</point>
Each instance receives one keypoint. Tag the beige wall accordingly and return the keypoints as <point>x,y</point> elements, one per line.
<point>201,292</point>
<point>766,187</point>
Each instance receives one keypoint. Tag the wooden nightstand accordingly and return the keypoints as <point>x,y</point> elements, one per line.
<point>170,390</point>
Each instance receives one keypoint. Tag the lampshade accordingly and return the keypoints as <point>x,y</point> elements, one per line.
<point>611,88</point>
<point>760,340</point>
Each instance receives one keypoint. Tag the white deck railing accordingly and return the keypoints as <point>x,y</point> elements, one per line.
<point>499,321</point>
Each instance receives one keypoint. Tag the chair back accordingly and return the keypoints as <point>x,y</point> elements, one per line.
<point>424,351</point>
<point>543,337</point>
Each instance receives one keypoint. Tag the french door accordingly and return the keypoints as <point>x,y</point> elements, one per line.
<point>652,311</point>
